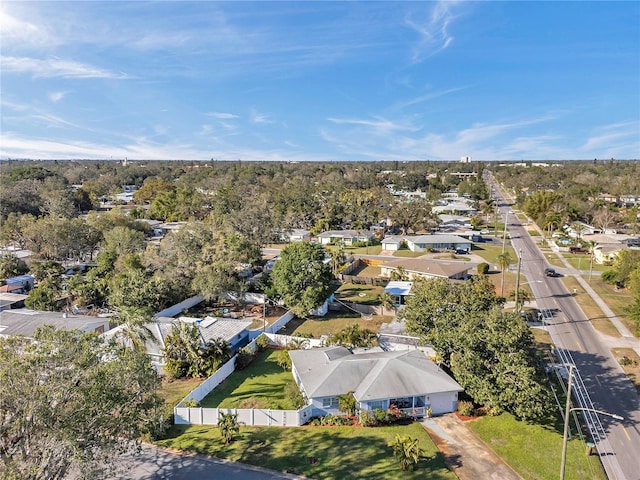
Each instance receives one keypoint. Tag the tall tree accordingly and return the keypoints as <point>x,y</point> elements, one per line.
<point>504,260</point>
<point>70,401</point>
<point>301,277</point>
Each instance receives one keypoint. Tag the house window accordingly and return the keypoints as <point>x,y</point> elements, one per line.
<point>377,404</point>
<point>330,402</point>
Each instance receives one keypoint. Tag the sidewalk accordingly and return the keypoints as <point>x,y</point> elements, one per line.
<point>467,456</point>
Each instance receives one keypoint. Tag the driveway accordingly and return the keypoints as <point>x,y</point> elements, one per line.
<point>468,456</point>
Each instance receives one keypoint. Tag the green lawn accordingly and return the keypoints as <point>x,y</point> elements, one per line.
<point>332,323</point>
<point>491,252</point>
<point>582,262</point>
<point>370,250</point>
<point>364,294</point>
<point>317,452</point>
<point>534,451</point>
<point>175,390</point>
<point>616,300</point>
<point>260,385</point>
<point>408,254</point>
<point>592,311</point>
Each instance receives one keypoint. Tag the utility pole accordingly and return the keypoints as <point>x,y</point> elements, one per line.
<point>567,412</point>
<point>504,234</point>
<point>518,281</point>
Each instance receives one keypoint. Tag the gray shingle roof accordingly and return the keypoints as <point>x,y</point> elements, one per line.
<point>371,376</point>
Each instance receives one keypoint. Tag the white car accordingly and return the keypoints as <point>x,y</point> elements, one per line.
<point>485,232</point>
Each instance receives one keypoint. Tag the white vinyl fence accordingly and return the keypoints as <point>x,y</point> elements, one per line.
<point>184,415</point>
<point>246,416</point>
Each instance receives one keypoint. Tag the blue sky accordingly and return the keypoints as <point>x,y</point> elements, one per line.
<point>320,81</point>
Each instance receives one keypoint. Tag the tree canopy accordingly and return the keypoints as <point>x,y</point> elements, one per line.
<point>69,400</point>
<point>489,351</point>
<point>301,277</point>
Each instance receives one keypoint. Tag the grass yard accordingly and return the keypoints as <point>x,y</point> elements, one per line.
<point>357,293</point>
<point>583,261</point>
<point>534,451</point>
<point>629,360</point>
<point>260,385</point>
<point>332,323</point>
<point>452,256</point>
<point>370,250</point>
<point>616,300</point>
<point>491,252</point>
<point>592,311</point>
<point>317,452</point>
<point>405,253</point>
<point>172,391</point>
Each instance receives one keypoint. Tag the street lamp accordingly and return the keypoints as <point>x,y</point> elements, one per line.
<point>567,412</point>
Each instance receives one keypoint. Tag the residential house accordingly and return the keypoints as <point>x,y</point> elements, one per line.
<point>234,331</point>
<point>422,243</point>
<point>25,322</point>
<point>9,301</point>
<point>454,221</point>
<point>633,243</point>
<point>605,254</point>
<point>399,291</point>
<point>423,268</point>
<point>23,282</point>
<point>295,235</point>
<point>392,244</point>
<point>456,208</point>
<point>406,379</point>
<point>345,237</point>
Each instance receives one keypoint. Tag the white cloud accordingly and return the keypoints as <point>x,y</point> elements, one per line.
<point>380,124</point>
<point>221,115</point>
<point>16,32</point>
<point>259,117</point>
<point>55,67</point>
<point>433,32</point>
<point>615,140</point>
<point>55,97</point>
<point>428,96</point>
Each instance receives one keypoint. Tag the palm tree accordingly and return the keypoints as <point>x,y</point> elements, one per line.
<point>214,353</point>
<point>134,332</point>
<point>591,245</point>
<point>504,260</point>
<point>228,426</point>
<point>337,259</point>
<point>399,274</point>
<point>387,301</point>
<point>407,451</point>
<point>347,403</point>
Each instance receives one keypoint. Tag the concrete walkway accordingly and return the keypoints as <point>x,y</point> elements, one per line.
<point>467,456</point>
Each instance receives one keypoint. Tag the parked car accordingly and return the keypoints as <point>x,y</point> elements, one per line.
<point>460,251</point>
<point>551,272</point>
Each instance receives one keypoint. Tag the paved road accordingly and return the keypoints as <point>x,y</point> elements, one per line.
<point>157,464</point>
<point>606,384</point>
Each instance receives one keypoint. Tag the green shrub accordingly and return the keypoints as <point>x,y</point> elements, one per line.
<point>244,358</point>
<point>262,342</point>
<point>366,418</point>
<point>294,395</point>
<point>465,408</point>
<point>380,416</point>
<point>483,268</point>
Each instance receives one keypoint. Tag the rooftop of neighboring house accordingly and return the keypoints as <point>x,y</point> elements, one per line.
<point>429,267</point>
<point>23,321</point>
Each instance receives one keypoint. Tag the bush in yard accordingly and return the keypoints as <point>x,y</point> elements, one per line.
<point>244,358</point>
<point>407,451</point>
<point>262,342</point>
<point>483,268</point>
<point>367,419</point>
<point>465,408</point>
<point>380,416</point>
<point>284,360</point>
<point>294,395</point>
<point>347,403</point>
<point>228,426</point>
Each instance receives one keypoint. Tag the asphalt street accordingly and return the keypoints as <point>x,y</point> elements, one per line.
<point>158,464</point>
<point>606,385</point>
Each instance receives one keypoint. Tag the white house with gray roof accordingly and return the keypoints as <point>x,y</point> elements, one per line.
<point>406,379</point>
<point>421,243</point>
<point>25,322</point>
